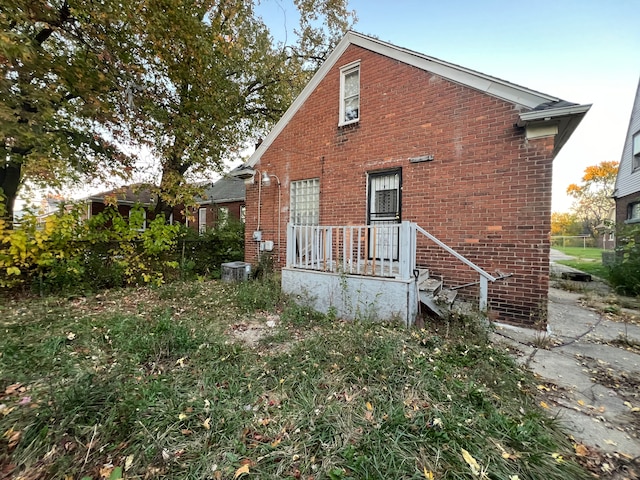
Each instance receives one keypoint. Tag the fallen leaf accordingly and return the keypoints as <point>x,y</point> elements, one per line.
<point>207,423</point>
<point>581,403</point>
<point>128,462</point>
<point>544,404</point>
<point>559,458</point>
<point>106,470</point>
<point>276,442</point>
<point>611,442</point>
<point>13,437</point>
<point>369,406</point>
<point>428,474</point>
<point>71,336</point>
<point>473,464</point>
<point>11,389</point>
<point>581,450</point>
<point>182,416</point>
<point>241,471</point>
<point>543,387</point>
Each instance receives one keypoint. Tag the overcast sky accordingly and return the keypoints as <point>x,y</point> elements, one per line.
<point>583,51</point>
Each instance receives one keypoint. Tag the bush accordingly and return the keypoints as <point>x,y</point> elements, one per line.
<point>202,255</point>
<point>624,274</point>
<point>66,253</point>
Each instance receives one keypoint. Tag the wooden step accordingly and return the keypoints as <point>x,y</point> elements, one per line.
<point>439,303</point>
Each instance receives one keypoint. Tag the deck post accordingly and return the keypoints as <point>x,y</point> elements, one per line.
<point>406,250</point>
<point>291,250</point>
<point>484,292</point>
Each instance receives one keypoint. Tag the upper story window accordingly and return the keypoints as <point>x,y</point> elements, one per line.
<point>350,93</point>
<point>635,149</point>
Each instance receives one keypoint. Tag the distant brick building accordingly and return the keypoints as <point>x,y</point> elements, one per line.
<point>383,134</point>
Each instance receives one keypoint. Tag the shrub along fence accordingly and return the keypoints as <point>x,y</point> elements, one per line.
<point>66,253</point>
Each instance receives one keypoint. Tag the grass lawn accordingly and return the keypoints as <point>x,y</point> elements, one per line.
<point>588,253</point>
<point>206,380</point>
<point>587,260</point>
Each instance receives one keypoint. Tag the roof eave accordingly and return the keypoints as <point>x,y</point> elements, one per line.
<point>566,118</point>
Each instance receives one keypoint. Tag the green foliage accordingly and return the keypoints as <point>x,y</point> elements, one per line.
<point>624,275</point>
<point>191,81</point>
<point>259,294</point>
<point>202,255</point>
<point>65,253</point>
<point>63,71</point>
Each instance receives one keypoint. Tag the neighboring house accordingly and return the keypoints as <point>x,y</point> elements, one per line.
<point>392,170</point>
<point>627,190</point>
<point>125,198</point>
<point>220,201</point>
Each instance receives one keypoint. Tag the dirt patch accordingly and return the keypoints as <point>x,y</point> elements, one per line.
<point>251,332</point>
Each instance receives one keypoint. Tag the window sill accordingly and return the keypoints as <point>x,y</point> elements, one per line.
<point>632,220</point>
<point>350,122</point>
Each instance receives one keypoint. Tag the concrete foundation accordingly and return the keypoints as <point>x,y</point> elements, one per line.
<point>354,297</point>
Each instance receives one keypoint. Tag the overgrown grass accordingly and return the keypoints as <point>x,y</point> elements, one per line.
<point>158,382</point>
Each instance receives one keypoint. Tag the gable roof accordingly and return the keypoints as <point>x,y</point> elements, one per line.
<point>126,195</point>
<point>567,115</point>
<point>227,189</point>
<point>628,180</point>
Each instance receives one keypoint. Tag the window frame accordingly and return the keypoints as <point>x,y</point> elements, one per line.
<point>144,219</point>
<point>202,226</point>
<point>635,151</point>
<point>630,212</point>
<point>344,72</point>
<point>223,217</point>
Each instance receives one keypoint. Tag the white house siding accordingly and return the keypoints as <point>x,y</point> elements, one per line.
<point>628,182</point>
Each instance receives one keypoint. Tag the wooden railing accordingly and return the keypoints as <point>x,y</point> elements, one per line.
<point>377,250</point>
<point>383,250</point>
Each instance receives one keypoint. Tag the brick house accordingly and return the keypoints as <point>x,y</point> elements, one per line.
<point>627,189</point>
<point>394,175</point>
<point>221,200</point>
<point>124,198</point>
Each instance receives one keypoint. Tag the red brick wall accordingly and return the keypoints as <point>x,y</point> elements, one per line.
<point>212,213</point>
<point>622,206</point>
<point>487,193</point>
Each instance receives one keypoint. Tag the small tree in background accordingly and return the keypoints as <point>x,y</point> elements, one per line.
<point>565,224</point>
<point>593,203</point>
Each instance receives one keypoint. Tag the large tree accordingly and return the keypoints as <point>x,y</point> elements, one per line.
<point>593,198</point>
<point>218,80</point>
<point>192,80</point>
<point>63,68</point>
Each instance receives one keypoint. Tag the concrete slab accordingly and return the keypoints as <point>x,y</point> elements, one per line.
<point>588,380</point>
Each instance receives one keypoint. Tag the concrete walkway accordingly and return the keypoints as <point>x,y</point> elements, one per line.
<point>589,378</point>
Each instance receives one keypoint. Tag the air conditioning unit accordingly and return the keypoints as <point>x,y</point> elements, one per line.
<point>235,272</point>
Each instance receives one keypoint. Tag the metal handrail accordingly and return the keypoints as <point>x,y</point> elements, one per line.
<point>464,260</point>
